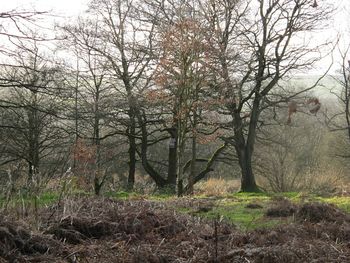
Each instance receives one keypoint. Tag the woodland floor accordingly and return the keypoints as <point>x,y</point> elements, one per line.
<point>107,230</point>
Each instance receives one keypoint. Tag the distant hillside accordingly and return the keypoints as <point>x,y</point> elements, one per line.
<point>324,88</point>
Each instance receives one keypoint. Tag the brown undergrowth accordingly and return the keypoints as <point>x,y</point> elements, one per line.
<point>106,230</point>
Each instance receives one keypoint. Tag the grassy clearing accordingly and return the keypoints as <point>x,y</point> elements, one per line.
<point>233,208</point>
<point>123,195</point>
<point>343,202</point>
<point>43,199</point>
<point>230,207</point>
<point>241,216</point>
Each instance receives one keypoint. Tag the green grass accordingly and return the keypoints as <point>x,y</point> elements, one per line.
<point>48,198</point>
<point>42,200</point>
<point>123,195</point>
<point>343,202</point>
<point>231,207</point>
<point>243,217</point>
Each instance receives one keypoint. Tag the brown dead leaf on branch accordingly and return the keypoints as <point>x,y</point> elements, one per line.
<point>313,105</point>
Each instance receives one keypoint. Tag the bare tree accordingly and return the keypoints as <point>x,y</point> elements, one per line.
<point>338,117</point>
<point>181,86</point>
<point>293,151</point>
<point>93,94</point>
<point>257,46</point>
<point>126,44</point>
<point>344,94</point>
<point>15,25</point>
<point>31,131</point>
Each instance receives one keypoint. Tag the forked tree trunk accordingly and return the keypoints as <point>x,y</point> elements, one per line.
<point>244,149</point>
<point>158,179</point>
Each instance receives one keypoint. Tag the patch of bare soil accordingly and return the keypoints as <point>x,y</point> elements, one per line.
<point>254,206</point>
<point>104,230</point>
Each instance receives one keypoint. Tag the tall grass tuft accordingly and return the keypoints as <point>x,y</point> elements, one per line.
<point>217,187</point>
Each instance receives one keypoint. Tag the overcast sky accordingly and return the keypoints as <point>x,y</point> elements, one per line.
<point>60,7</point>
<point>70,8</point>
<point>74,7</point>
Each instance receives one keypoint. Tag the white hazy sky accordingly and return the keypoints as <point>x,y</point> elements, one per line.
<point>70,8</point>
<point>59,7</point>
<point>73,7</point>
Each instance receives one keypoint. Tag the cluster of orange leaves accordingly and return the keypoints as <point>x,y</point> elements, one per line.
<point>184,37</point>
<point>155,96</point>
<point>84,153</point>
<point>84,156</point>
<point>183,42</point>
<point>207,138</point>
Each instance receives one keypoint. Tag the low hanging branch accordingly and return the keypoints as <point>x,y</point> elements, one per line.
<point>208,168</point>
<point>158,179</point>
<point>188,164</point>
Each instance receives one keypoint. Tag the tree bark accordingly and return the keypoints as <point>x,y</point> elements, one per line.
<point>248,183</point>
<point>208,168</point>
<point>33,135</point>
<point>191,178</point>
<point>132,156</point>
<point>244,149</point>
<point>97,142</point>
<point>158,179</point>
<point>172,160</point>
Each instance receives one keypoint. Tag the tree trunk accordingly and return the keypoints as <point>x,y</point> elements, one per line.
<point>132,159</point>
<point>208,168</point>
<point>97,186</point>
<point>158,179</point>
<point>131,130</point>
<point>192,175</point>
<point>172,160</point>
<point>97,142</point>
<point>180,147</point>
<point>248,183</point>
<point>33,136</point>
<point>244,149</point>
<point>30,173</point>
<point>33,168</point>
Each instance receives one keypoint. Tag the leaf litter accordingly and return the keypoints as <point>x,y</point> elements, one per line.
<point>106,230</point>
